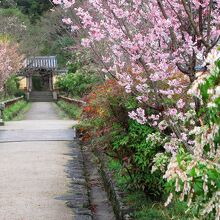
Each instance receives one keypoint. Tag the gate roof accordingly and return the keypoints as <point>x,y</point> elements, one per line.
<point>41,62</point>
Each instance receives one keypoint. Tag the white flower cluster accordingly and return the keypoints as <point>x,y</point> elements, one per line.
<point>160,162</point>
<point>155,138</point>
<point>204,146</point>
<point>212,57</point>
<point>213,204</point>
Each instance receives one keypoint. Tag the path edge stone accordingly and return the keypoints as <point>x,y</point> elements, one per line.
<point>79,200</point>
<point>121,210</point>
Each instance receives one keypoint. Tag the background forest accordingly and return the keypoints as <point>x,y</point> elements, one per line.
<point>36,26</point>
<point>30,28</point>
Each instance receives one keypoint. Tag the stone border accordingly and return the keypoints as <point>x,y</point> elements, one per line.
<point>10,102</point>
<point>71,100</point>
<point>78,199</point>
<point>122,211</point>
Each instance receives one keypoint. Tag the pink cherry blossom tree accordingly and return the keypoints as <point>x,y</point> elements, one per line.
<point>10,60</point>
<point>154,49</point>
<point>146,44</point>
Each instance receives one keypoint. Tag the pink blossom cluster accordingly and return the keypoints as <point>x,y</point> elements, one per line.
<point>151,47</point>
<point>66,3</point>
<point>138,115</point>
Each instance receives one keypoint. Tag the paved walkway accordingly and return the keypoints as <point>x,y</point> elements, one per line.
<point>34,154</point>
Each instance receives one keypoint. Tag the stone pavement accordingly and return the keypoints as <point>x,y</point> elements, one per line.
<point>41,169</point>
<point>42,111</point>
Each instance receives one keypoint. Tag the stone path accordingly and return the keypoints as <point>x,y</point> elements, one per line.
<point>35,158</point>
<point>42,111</point>
<point>101,205</point>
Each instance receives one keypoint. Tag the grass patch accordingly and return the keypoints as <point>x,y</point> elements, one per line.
<point>61,113</point>
<point>21,114</point>
<point>151,210</point>
<point>73,111</point>
<point>144,208</point>
<point>14,110</point>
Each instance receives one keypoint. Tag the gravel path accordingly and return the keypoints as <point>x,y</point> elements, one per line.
<point>34,154</point>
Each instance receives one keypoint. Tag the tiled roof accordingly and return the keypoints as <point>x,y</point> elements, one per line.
<point>45,62</point>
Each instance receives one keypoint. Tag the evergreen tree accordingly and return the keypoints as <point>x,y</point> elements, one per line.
<point>33,8</point>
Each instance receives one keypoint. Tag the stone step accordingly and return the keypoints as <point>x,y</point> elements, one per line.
<point>37,96</point>
<point>40,100</point>
<point>41,93</point>
<point>41,96</point>
<point>32,97</point>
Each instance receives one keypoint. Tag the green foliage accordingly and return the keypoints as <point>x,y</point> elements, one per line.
<point>6,3</point>
<point>72,110</point>
<point>73,67</point>
<point>201,176</point>
<point>195,178</point>
<point>136,155</point>
<point>13,12</point>
<point>145,208</point>
<point>13,110</point>
<point>76,84</point>
<point>149,210</point>
<point>12,87</point>
<point>123,138</point>
<point>210,86</point>
<point>38,33</point>
<point>13,24</point>
<point>131,103</point>
<point>33,8</point>
<point>20,93</point>
<point>121,180</point>
<point>54,44</point>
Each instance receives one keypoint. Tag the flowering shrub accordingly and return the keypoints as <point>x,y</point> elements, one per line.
<point>108,124</point>
<point>100,109</point>
<point>196,176</point>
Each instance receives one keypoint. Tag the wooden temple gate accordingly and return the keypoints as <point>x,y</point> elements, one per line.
<point>38,77</point>
<point>40,72</point>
